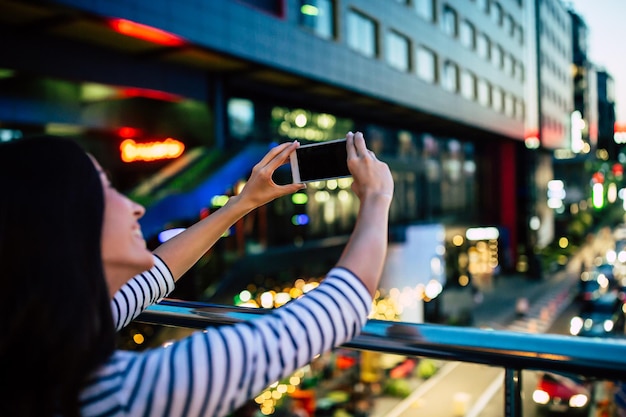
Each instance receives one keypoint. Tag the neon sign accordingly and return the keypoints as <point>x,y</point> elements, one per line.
<point>132,151</point>
<point>147,33</point>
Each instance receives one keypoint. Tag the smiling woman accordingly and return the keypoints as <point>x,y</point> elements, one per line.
<point>77,270</point>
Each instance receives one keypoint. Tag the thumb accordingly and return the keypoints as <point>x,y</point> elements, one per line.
<point>292,188</point>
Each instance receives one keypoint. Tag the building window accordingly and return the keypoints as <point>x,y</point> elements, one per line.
<point>318,15</point>
<point>483,5</point>
<point>509,65</point>
<point>362,34</point>
<point>484,93</point>
<point>240,118</point>
<point>509,105</point>
<point>520,71</point>
<point>509,25</point>
<point>449,22</point>
<point>519,109</point>
<point>426,65</point>
<point>496,55</point>
<point>496,13</point>
<point>520,35</point>
<point>468,35</point>
<point>397,51</point>
<point>468,85</point>
<point>497,99</point>
<point>483,46</point>
<point>425,9</point>
<point>450,76</point>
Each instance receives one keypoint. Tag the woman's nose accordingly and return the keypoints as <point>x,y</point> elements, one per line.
<point>139,210</point>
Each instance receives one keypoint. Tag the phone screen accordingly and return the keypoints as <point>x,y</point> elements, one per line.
<point>323,161</point>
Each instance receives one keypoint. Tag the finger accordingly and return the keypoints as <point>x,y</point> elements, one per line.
<point>283,156</point>
<point>293,187</point>
<point>350,145</point>
<point>276,150</point>
<point>359,144</point>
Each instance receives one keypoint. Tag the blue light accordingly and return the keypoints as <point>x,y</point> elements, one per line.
<point>300,219</point>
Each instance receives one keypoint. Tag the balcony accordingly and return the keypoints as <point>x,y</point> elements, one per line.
<point>502,366</point>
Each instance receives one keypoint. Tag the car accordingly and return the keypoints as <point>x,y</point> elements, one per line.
<point>595,283</point>
<point>559,394</point>
<point>601,317</point>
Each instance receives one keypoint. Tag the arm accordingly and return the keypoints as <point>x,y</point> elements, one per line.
<point>174,257</point>
<point>365,252</point>
<point>141,291</point>
<point>182,251</point>
<point>213,372</point>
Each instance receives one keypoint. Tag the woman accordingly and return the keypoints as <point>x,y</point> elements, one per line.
<point>70,244</point>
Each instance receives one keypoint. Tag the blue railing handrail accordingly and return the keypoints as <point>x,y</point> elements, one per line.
<point>602,358</point>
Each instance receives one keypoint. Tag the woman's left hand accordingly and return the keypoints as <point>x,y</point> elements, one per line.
<point>261,188</point>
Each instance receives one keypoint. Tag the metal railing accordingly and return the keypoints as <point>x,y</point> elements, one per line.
<point>513,351</point>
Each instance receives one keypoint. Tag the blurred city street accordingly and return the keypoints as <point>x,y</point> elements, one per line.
<point>471,390</point>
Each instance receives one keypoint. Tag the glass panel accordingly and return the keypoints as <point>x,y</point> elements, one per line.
<point>484,93</point>
<point>509,67</point>
<point>426,64</point>
<point>240,118</point>
<point>425,9</point>
<point>496,55</point>
<point>449,21</point>
<point>496,13</point>
<point>450,76</point>
<point>318,15</point>
<point>362,34</point>
<point>397,51</point>
<point>497,99</point>
<point>468,85</point>
<point>483,46</point>
<point>468,34</point>
<point>509,109</point>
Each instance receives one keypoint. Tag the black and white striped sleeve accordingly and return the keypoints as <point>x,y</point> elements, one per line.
<point>213,372</point>
<point>141,291</point>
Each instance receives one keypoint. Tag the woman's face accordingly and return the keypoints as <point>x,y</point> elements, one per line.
<point>124,252</point>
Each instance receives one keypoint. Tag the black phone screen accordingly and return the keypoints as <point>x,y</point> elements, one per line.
<point>326,160</point>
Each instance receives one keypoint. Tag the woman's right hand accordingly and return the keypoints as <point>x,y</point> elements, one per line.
<point>371,177</point>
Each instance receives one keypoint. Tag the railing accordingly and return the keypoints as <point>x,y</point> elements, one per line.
<point>514,352</point>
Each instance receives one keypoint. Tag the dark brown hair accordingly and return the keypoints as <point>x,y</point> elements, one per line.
<point>55,311</point>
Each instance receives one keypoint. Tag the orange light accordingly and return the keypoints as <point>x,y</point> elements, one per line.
<point>145,32</point>
<point>132,151</point>
<point>597,178</point>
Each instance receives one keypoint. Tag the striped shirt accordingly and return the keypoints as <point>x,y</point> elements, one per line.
<point>214,371</point>
<point>140,292</point>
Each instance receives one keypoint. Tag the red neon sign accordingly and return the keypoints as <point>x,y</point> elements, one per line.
<point>132,151</point>
<point>145,32</point>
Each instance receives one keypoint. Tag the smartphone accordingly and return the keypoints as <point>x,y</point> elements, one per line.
<point>320,161</point>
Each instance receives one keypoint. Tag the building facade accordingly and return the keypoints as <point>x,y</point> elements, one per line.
<point>447,92</point>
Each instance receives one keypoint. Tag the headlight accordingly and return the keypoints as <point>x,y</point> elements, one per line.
<point>575,324</point>
<point>541,397</point>
<point>608,326</point>
<point>578,400</point>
